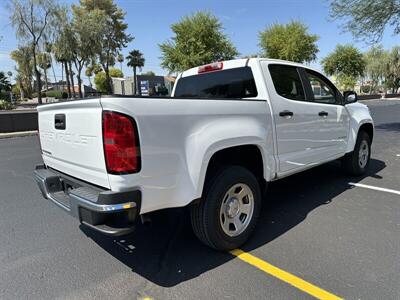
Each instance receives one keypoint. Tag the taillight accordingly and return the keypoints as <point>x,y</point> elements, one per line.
<point>211,67</point>
<point>121,143</point>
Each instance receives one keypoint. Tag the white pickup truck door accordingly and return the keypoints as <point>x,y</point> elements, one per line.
<point>307,132</point>
<point>334,121</point>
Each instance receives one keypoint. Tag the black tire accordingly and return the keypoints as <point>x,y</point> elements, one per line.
<point>351,162</point>
<point>206,215</point>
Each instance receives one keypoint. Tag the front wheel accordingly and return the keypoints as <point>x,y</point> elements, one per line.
<point>228,212</point>
<point>356,163</point>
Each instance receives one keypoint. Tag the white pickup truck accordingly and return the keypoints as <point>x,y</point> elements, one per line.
<point>229,128</point>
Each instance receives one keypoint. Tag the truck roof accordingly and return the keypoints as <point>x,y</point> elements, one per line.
<point>242,62</point>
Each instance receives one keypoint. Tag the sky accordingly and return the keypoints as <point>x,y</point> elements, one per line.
<point>149,22</point>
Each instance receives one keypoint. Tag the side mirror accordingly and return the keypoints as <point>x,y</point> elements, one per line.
<point>350,97</point>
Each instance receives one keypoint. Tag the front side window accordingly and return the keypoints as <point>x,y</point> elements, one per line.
<point>231,84</point>
<point>321,90</point>
<point>287,81</point>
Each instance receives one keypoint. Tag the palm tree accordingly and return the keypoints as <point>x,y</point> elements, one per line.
<point>44,62</point>
<point>24,68</point>
<point>120,59</point>
<point>135,60</point>
<point>48,47</point>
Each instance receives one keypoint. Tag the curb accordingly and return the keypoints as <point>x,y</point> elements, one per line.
<point>17,134</point>
<point>390,99</point>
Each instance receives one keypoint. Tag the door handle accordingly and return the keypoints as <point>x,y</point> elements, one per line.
<point>323,114</point>
<point>286,113</point>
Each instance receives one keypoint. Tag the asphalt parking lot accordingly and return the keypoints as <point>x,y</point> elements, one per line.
<point>341,238</point>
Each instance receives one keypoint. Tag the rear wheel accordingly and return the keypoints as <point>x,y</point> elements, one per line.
<point>228,212</point>
<point>356,163</point>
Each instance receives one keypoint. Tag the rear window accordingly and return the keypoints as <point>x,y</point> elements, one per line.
<point>231,83</point>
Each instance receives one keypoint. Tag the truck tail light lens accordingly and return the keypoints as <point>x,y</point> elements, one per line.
<point>211,67</point>
<point>121,143</point>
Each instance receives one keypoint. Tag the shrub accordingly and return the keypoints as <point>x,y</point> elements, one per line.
<point>100,79</point>
<point>5,95</point>
<point>16,91</point>
<point>54,94</point>
<point>6,105</point>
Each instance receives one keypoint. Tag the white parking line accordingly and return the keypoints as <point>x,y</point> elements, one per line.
<point>375,188</point>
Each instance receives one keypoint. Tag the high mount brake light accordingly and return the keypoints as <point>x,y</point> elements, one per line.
<point>211,67</point>
<point>121,143</point>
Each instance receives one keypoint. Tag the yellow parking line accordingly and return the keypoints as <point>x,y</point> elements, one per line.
<point>284,276</point>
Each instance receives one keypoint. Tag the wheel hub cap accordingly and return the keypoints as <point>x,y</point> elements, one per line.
<point>232,207</point>
<point>363,154</point>
<point>236,209</point>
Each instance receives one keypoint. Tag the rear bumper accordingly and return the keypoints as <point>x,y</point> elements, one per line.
<point>112,213</point>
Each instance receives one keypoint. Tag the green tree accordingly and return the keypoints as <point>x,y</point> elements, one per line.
<point>15,90</point>
<point>367,19</point>
<point>375,59</point>
<point>24,68</point>
<point>135,60</point>
<point>5,84</point>
<point>100,79</point>
<point>392,70</point>
<point>198,40</point>
<point>87,29</point>
<point>289,42</point>
<point>113,36</point>
<point>20,86</point>
<point>149,73</point>
<point>48,48</point>
<point>63,47</point>
<point>120,59</point>
<point>44,62</point>
<point>96,68</point>
<point>33,20</point>
<point>346,63</point>
<point>89,73</point>
<point>92,69</point>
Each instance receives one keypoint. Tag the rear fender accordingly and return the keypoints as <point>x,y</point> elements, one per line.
<point>220,135</point>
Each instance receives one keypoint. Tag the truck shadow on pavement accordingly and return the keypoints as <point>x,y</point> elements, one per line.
<point>393,127</point>
<point>167,252</point>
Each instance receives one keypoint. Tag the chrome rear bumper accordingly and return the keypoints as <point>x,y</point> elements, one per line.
<point>112,213</point>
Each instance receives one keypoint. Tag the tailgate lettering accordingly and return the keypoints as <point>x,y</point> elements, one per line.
<point>67,138</point>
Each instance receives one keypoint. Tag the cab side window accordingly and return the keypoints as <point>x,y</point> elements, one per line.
<point>287,81</point>
<point>322,91</point>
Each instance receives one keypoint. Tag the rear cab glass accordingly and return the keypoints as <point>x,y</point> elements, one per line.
<point>287,81</point>
<point>234,83</point>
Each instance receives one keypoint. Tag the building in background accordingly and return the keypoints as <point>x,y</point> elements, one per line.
<point>62,87</point>
<point>147,85</point>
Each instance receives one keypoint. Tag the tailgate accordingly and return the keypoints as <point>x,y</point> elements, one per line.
<point>71,139</point>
